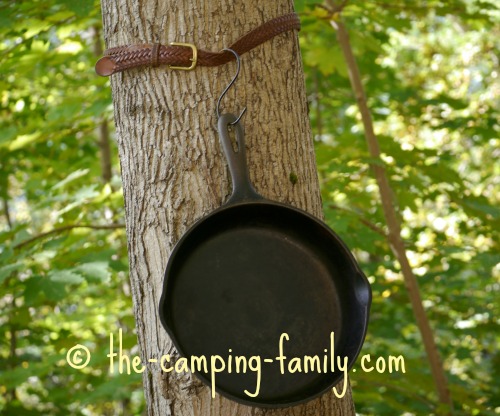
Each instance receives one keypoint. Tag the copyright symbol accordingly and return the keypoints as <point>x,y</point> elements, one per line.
<point>78,357</point>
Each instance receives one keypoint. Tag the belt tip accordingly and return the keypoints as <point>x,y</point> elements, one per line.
<point>104,66</point>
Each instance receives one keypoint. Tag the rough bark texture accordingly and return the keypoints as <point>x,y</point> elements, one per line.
<point>173,168</point>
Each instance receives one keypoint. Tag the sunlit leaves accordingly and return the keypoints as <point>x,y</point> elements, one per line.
<point>430,74</point>
<point>60,285</point>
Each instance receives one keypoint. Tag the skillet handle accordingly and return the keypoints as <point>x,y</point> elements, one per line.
<point>243,189</point>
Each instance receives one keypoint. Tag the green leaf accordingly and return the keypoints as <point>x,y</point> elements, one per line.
<point>71,177</point>
<point>54,291</point>
<point>80,8</point>
<point>6,271</point>
<point>23,140</point>
<point>482,207</point>
<point>327,60</point>
<point>300,5</point>
<point>97,271</point>
<point>65,276</point>
<point>32,288</point>
<point>8,133</point>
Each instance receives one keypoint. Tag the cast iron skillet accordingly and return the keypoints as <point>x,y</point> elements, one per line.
<point>253,270</point>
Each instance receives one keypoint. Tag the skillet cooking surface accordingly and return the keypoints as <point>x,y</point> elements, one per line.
<point>248,273</point>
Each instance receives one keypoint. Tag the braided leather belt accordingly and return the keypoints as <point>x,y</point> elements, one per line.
<point>186,56</point>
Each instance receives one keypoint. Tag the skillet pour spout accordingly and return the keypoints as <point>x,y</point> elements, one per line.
<point>257,283</point>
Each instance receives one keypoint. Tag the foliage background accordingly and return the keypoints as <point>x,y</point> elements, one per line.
<point>430,69</point>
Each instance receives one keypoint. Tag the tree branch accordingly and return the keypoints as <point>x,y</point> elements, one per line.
<point>12,355</point>
<point>408,6</point>
<point>7,212</point>
<point>369,224</point>
<point>333,7</point>
<point>393,224</point>
<point>67,228</point>
<point>103,129</point>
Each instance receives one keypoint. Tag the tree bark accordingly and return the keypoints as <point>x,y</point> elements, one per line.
<point>173,169</point>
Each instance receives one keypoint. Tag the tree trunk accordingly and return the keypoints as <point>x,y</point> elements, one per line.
<point>173,169</point>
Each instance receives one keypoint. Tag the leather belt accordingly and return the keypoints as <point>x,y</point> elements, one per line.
<point>186,56</point>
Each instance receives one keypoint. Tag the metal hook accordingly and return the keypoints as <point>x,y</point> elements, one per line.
<point>230,85</point>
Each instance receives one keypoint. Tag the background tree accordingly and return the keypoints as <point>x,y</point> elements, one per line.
<point>430,72</point>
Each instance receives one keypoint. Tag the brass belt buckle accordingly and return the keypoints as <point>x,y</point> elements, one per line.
<point>194,59</point>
